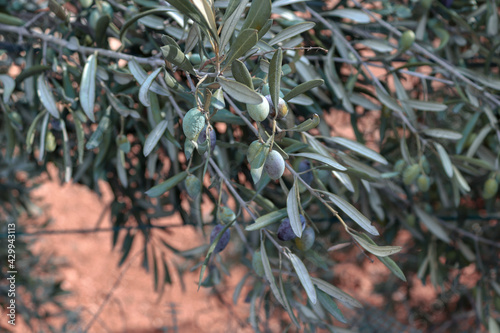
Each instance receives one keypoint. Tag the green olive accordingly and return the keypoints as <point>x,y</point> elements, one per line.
<point>490,188</point>
<point>259,112</point>
<point>406,41</point>
<point>411,173</point>
<point>307,240</point>
<point>423,183</point>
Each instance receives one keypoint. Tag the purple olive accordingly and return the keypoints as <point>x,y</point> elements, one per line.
<point>285,232</point>
<point>308,177</point>
<point>223,241</point>
<point>203,137</point>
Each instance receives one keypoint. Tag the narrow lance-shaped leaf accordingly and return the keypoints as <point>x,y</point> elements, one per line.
<point>336,293</point>
<point>167,185</point>
<point>241,73</point>
<point>211,250</point>
<point>259,13</point>
<point>175,56</point>
<point>306,125</point>
<point>66,152</point>
<point>243,43</point>
<point>275,76</point>
<point>87,87</point>
<point>46,97</point>
<point>379,251</point>
<point>445,159</point>
<point>239,91</point>
<point>140,75</point>
<point>144,90</point>
<point>292,208</point>
<point>304,277</point>
<point>268,219</point>
<point>359,148</point>
<point>432,224</point>
<point>230,24</point>
<point>353,213</point>
<point>290,32</point>
<point>302,88</point>
<point>43,136</point>
<point>322,158</point>
<point>442,133</point>
<point>268,272</point>
<point>425,106</point>
<point>349,13</point>
<point>329,304</point>
<point>30,136</point>
<point>132,20</point>
<point>154,137</point>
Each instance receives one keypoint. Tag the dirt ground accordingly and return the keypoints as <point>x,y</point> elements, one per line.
<point>90,270</point>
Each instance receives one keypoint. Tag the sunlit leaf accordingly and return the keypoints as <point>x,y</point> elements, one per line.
<point>87,87</point>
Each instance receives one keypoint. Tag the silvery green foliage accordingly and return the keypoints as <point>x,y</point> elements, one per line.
<point>419,92</point>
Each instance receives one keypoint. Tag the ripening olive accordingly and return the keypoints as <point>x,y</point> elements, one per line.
<point>50,142</point>
<point>223,241</point>
<point>193,123</point>
<point>282,109</point>
<point>259,112</point>
<point>202,140</point>
<point>305,242</point>
<point>226,215</point>
<point>275,165</point>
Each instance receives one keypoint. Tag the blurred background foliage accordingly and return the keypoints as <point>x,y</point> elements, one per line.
<point>99,89</point>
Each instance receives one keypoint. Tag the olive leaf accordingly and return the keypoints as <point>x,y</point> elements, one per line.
<point>87,86</point>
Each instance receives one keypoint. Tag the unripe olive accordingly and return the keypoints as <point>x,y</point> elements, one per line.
<point>107,9</point>
<point>490,188</point>
<point>305,242</point>
<point>257,264</point>
<point>399,166</point>
<point>285,231</point>
<point>223,241</point>
<point>193,186</point>
<point>259,112</point>
<point>275,165</point>
<point>195,59</point>
<point>86,3</point>
<point>423,183</point>
<point>50,142</point>
<point>282,109</point>
<point>406,41</point>
<point>193,123</point>
<point>410,174</point>
<point>226,215</point>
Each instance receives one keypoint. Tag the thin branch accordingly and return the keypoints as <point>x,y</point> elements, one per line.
<point>21,31</point>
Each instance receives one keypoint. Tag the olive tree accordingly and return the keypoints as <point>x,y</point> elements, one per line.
<point>224,102</point>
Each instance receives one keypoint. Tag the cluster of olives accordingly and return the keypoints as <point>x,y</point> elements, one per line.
<point>274,164</point>
<point>415,172</point>
<point>285,233</point>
